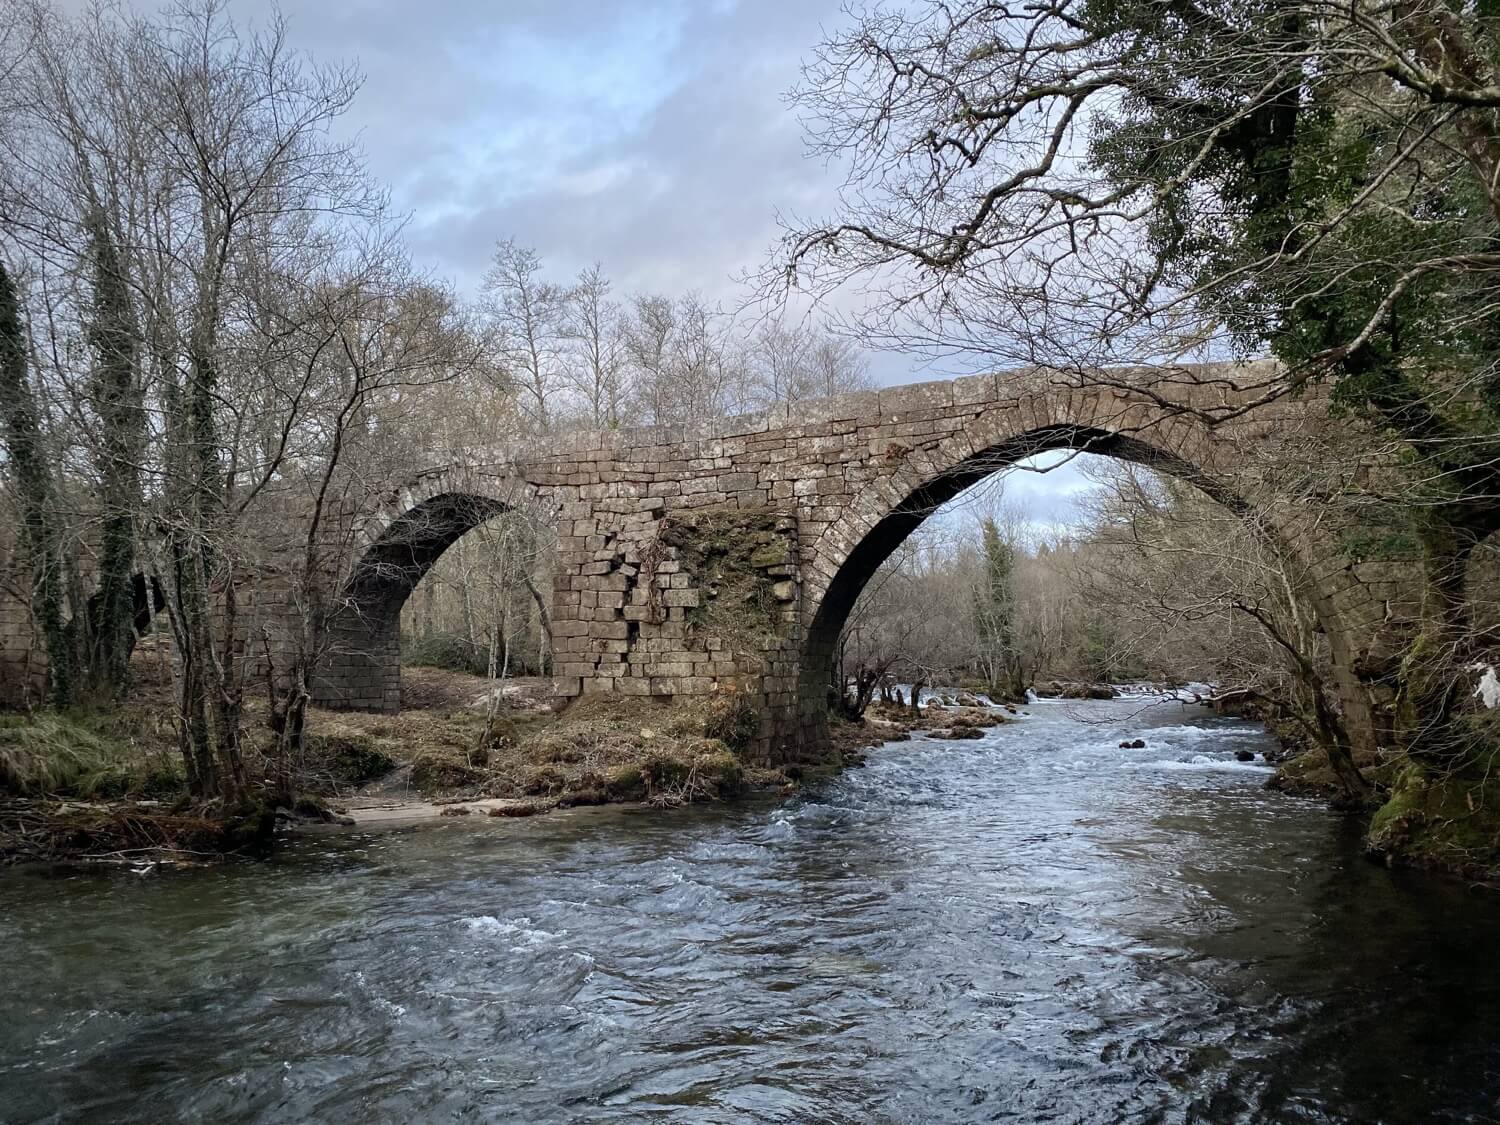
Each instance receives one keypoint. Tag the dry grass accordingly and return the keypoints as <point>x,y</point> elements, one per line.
<point>87,754</point>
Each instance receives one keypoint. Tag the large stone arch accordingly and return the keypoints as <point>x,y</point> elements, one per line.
<point>391,551</point>
<point>1216,460</point>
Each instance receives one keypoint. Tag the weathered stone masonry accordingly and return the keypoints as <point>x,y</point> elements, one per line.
<point>650,599</point>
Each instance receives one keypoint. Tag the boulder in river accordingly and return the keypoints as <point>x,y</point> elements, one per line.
<point>1057,689</point>
<point>1133,744</point>
<point>1243,756</point>
<point>1089,691</point>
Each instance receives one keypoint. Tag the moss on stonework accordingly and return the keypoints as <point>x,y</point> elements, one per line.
<point>729,555</point>
<point>771,554</point>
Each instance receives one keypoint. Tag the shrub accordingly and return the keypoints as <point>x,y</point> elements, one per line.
<point>732,720</point>
<point>449,651</point>
<point>349,758</point>
<point>439,772</point>
<point>704,769</point>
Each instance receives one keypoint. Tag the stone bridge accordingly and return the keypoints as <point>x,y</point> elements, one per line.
<point>697,559</point>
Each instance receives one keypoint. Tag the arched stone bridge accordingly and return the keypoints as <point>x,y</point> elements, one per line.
<point>693,559</point>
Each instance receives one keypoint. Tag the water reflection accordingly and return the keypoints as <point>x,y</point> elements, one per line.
<point>1038,926</point>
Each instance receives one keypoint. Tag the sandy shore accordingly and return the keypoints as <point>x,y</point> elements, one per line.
<point>402,810</point>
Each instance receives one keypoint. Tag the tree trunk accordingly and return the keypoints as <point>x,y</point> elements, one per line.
<point>114,394</point>
<point>34,488</point>
<point>544,620</point>
<point>1430,689</point>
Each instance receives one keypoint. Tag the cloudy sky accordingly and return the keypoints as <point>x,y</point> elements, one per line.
<point>650,135</point>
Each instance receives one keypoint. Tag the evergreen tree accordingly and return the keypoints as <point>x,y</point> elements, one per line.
<point>995,617</point>
<point>34,487</point>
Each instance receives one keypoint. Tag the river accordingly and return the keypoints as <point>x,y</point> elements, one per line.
<point>1034,927</point>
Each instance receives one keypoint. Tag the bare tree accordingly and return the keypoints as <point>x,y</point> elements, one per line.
<point>597,371</point>
<point>836,366</point>
<point>530,318</point>
<point>1082,186</point>
<point>168,180</point>
<point>780,363</point>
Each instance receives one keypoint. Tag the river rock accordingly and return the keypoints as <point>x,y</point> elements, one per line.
<point>1089,691</point>
<point>1243,756</point>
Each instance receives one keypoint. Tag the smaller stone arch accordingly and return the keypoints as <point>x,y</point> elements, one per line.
<point>359,667</point>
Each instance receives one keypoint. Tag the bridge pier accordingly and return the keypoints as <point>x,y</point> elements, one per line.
<point>360,667</point>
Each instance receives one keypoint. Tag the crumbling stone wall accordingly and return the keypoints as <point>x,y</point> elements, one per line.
<point>682,604</point>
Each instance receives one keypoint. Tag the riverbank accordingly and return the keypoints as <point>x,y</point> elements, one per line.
<point>107,785</point>
<point>1442,821</point>
<point>618,751</point>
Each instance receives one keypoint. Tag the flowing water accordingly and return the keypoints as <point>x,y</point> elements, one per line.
<point>1034,927</point>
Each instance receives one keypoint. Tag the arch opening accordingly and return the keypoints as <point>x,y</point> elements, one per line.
<point>360,667</point>
<point>880,538</point>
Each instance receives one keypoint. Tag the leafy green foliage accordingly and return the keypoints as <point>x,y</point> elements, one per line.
<point>1335,219</point>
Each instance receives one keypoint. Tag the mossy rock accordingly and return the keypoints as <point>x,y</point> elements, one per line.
<point>626,783</point>
<point>313,808</point>
<point>1447,821</point>
<point>439,773</point>
<point>350,758</point>
<point>728,552</point>
<point>250,828</point>
<point>519,809</point>
<point>776,553</point>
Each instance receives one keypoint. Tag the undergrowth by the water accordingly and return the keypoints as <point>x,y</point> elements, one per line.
<point>1446,817</point>
<point>113,753</point>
